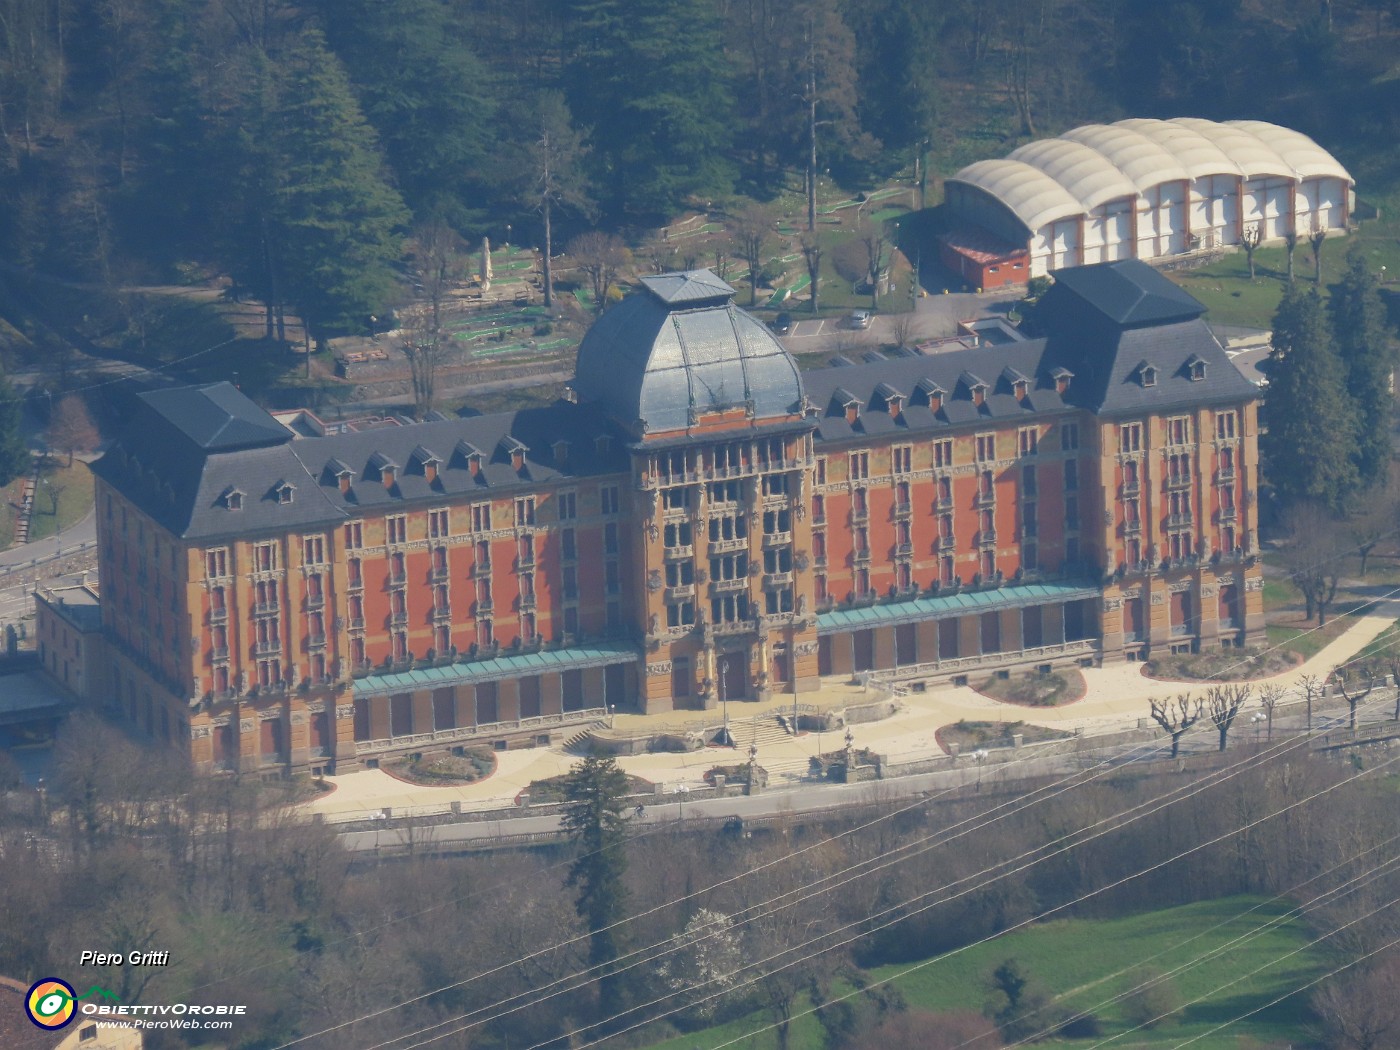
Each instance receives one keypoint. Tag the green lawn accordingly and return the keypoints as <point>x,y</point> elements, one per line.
<point>74,500</point>
<point>1232,298</point>
<point>1218,944</point>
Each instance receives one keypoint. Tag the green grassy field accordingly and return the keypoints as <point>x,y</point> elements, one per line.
<point>74,484</point>
<point>1226,958</point>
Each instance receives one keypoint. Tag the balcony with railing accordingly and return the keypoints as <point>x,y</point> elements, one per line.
<point>481,568</point>
<point>399,618</point>
<point>776,539</point>
<point>315,641</point>
<point>903,550</point>
<point>1178,481</point>
<point>442,614</point>
<point>945,544</point>
<point>680,592</point>
<point>219,615</point>
<point>987,538</point>
<point>266,608</point>
<point>218,653</point>
<point>269,648</point>
<point>985,500</point>
<point>903,511</point>
<point>1175,521</point>
<point>739,583</point>
<point>439,574</point>
<point>776,580</point>
<point>679,553</point>
<point>724,546</point>
<point>943,504</point>
<point>861,556</point>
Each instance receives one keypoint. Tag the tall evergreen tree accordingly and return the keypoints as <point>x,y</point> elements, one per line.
<point>337,221</point>
<point>1367,352</point>
<point>1311,422</point>
<point>14,454</point>
<point>594,820</point>
<point>428,96</point>
<point>650,78</point>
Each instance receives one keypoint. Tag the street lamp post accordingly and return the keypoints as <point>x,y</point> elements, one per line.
<point>1257,721</point>
<point>724,698</point>
<point>682,790</point>
<point>979,756</point>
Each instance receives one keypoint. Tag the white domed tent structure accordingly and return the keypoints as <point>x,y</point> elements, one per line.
<point>1150,189</point>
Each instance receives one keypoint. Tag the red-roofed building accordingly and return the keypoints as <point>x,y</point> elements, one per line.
<point>982,260</point>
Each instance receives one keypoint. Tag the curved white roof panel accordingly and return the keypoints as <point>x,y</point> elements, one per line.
<point>1252,154</point>
<point>1192,150</point>
<point>1308,159</point>
<point>1088,176</point>
<point>1142,160</point>
<point>1033,196</point>
<point>1056,178</point>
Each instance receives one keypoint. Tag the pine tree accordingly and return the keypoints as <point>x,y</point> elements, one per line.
<point>336,221</point>
<point>426,93</point>
<point>1310,420</point>
<point>651,79</point>
<point>594,820</point>
<point>14,454</point>
<point>1366,350</point>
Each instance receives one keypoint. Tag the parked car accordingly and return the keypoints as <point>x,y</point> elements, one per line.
<point>860,319</point>
<point>782,324</point>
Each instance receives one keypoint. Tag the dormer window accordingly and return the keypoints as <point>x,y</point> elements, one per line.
<point>852,411</point>
<point>1019,388</point>
<point>1196,368</point>
<point>979,395</point>
<point>474,463</point>
<point>284,492</point>
<point>1062,376</point>
<point>1147,374</point>
<point>233,499</point>
<point>602,444</point>
<point>427,462</point>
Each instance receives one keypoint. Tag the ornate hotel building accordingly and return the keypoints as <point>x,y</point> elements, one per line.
<point>700,521</point>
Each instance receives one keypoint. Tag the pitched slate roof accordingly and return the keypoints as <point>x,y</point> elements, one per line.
<point>216,417</point>
<point>168,472</point>
<point>687,287</point>
<point>1129,293</point>
<point>1100,362</point>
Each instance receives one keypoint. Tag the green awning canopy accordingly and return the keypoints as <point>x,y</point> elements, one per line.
<point>512,665</point>
<point>915,609</point>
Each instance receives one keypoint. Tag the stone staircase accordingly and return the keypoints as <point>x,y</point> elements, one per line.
<point>578,743</point>
<point>766,732</point>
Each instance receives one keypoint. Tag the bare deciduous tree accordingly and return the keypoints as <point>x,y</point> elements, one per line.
<point>1361,1010</point>
<point>812,256</point>
<point>751,228</point>
<point>1315,558</point>
<point>1354,687</point>
<point>874,238</point>
<point>603,257</point>
<point>1223,703</point>
<point>1311,686</point>
<point>1176,716</point>
<point>1270,695</point>
<point>72,429</point>
<point>1315,241</point>
<point>1250,238</point>
<point>436,258</point>
<point>1290,244</point>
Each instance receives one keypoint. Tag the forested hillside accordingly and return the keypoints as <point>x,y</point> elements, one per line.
<point>291,145</point>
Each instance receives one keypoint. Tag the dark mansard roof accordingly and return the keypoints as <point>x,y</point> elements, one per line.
<point>207,463</point>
